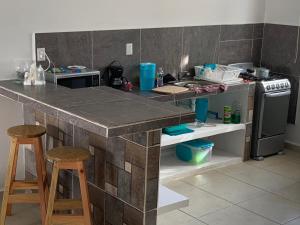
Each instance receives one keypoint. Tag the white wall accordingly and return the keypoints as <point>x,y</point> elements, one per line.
<point>19,19</point>
<point>11,115</point>
<point>286,12</point>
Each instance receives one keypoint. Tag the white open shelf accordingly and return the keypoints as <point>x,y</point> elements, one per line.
<point>169,200</point>
<point>172,168</point>
<point>212,128</point>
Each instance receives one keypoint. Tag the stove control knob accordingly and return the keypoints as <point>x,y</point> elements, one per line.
<point>277,86</point>
<point>273,86</point>
<point>287,84</point>
<point>268,87</point>
<point>282,85</point>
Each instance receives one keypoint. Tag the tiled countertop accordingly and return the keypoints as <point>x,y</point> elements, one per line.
<point>102,110</point>
<point>188,94</point>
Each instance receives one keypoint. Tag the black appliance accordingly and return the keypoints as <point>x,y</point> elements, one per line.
<point>73,80</point>
<point>270,116</point>
<point>115,74</point>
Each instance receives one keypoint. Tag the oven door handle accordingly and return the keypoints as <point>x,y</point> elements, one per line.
<point>278,94</point>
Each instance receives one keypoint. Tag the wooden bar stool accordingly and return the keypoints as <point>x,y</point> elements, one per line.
<point>68,158</point>
<point>19,135</point>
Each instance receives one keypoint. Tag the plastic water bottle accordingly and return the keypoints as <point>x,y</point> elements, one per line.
<point>160,77</point>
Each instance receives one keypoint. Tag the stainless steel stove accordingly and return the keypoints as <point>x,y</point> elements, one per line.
<point>270,117</point>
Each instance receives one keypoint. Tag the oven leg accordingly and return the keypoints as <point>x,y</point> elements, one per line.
<point>259,158</point>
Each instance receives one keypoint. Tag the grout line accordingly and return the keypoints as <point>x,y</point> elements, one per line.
<point>252,42</point>
<point>92,40</point>
<point>293,220</point>
<point>219,42</point>
<point>297,46</point>
<point>182,51</point>
<point>140,45</point>
<point>262,46</point>
<point>192,216</point>
<point>245,39</point>
<point>258,214</point>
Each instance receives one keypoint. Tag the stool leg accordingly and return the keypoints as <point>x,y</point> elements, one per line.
<point>8,181</point>
<point>52,194</point>
<point>13,178</point>
<point>41,177</point>
<point>84,194</point>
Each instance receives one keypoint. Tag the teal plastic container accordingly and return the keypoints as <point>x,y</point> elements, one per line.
<point>147,76</point>
<point>196,151</point>
<point>201,109</point>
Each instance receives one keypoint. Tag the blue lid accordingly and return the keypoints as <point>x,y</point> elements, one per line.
<point>199,143</point>
<point>147,65</point>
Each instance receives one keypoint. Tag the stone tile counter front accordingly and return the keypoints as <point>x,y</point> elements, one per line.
<point>122,132</point>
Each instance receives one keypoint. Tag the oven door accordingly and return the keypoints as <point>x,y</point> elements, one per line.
<point>80,81</point>
<point>274,113</point>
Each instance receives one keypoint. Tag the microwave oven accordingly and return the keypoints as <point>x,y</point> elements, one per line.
<point>73,80</point>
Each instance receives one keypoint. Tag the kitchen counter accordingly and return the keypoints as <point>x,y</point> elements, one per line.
<point>109,112</point>
<point>189,94</point>
<point>123,133</point>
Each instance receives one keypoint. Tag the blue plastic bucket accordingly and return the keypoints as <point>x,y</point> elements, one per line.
<point>196,151</point>
<point>147,76</point>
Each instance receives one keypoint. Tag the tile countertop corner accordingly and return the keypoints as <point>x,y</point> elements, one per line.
<point>103,110</point>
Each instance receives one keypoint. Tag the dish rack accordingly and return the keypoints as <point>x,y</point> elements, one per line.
<point>222,74</point>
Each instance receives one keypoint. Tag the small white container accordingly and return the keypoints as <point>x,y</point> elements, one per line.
<point>221,74</point>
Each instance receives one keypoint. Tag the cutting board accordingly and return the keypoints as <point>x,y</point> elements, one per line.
<point>169,89</point>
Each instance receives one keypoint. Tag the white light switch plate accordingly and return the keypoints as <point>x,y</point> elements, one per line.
<point>40,54</point>
<point>129,49</point>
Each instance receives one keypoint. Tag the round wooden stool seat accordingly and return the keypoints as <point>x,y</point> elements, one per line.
<point>26,131</point>
<point>68,154</point>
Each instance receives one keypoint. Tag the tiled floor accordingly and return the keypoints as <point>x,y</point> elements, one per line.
<point>252,193</point>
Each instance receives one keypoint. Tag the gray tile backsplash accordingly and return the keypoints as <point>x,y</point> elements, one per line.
<point>200,45</point>
<point>236,32</point>
<point>162,46</point>
<point>110,45</point>
<point>280,53</point>
<point>235,51</point>
<point>280,48</point>
<point>67,48</point>
<point>175,49</point>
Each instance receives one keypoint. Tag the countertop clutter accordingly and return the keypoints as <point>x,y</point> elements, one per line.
<point>103,110</point>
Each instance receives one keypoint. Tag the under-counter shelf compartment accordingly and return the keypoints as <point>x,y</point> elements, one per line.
<point>211,128</point>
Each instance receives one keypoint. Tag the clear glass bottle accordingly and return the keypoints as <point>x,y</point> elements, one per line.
<point>40,78</point>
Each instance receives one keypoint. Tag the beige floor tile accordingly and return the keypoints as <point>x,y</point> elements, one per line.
<point>292,192</point>
<point>273,207</point>
<point>287,169</point>
<point>269,161</point>
<point>258,177</point>
<point>24,215</point>
<point>224,187</point>
<point>201,202</point>
<point>235,216</point>
<point>294,222</point>
<point>177,217</point>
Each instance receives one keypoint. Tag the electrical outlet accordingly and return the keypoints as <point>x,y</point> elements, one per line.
<point>129,49</point>
<point>40,54</point>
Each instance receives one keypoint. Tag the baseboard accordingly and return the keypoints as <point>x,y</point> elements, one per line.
<point>292,146</point>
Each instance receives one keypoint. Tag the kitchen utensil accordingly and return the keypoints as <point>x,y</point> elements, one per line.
<point>169,89</point>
